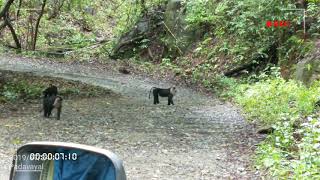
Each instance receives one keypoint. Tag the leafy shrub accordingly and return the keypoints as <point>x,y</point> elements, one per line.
<point>75,91</point>
<point>21,90</point>
<point>292,151</point>
<point>239,28</point>
<point>273,99</point>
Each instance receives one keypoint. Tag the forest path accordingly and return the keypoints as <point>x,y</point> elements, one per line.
<point>198,138</point>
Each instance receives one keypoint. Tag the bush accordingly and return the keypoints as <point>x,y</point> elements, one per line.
<point>21,90</point>
<point>292,151</point>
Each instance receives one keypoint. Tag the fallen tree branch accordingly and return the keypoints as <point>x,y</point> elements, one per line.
<point>127,42</point>
<point>165,25</point>
<point>238,69</point>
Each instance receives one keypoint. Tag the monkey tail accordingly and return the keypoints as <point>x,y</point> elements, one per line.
<point>150,91</point>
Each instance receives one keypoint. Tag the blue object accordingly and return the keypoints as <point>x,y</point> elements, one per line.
<point>87,166</point>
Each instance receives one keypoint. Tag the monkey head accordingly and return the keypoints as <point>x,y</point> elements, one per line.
<point>173,90</point>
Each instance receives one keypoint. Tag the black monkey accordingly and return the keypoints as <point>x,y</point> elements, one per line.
<point>51,90</point>
<point>50,103</point>
<point>170,92</point>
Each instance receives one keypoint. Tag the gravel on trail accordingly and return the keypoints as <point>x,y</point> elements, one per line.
<point>199,137</point>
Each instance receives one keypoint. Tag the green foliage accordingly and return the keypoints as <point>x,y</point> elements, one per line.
<point>274,99</point>
<point>239,25</point>
<point>74,27</point>
<point>200,12</point>
<point>21,90</point>
<point>71,91</point>
<point>225,87</point>
<point>79,40</point>
<point>241,32</point>
<point>313,11</point>
<point>127,15</point>
<point>294,48</point>
<point>292,151</point>
<point>309,151</point>
<point>167,64</point>
<point>128,12</point>
<point>285,157</point>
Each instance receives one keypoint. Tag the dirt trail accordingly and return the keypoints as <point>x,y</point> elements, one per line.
<point>198,138</point>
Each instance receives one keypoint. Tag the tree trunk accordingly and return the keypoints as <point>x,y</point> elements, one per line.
<point>5,9</point>
<point>19,7</point>
<point>4,13</point>
<point>37,25</point>
<point>14,35</point>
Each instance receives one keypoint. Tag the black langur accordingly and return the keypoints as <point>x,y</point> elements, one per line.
<point>50,103</point>
<point>51,100</point>
<point>51,90</point>
<point>170,92</point>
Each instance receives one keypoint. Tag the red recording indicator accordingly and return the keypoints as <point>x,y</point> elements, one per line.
<point>277,24</point>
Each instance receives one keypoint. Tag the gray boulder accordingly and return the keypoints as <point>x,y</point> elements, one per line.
<point>160,32</point>
<point>308,70</point>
